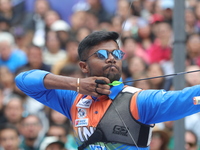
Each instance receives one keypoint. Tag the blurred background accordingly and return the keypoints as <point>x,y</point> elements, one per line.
<point>45,34</point>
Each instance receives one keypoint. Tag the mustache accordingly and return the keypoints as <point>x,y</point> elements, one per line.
<point>109,66</point>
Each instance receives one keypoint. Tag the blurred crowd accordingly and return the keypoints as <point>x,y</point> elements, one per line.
<point>43,39</point>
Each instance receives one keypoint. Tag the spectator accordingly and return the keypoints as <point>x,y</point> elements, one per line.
<point>4,25</point>
<point>148,9</point>
<point>143,84</point>
<point>117,24</point>
<point>62,29</point>
<point>191,124</point>
<point>53,52</point>
<point>153,70</point>
<point>191,140</point>
<point>71,70</point>
<point>161,48</point>
<point>50,17</point>
<point>168,126</point>
<point>137,67</point>
<point>97,8</point>
<point>191,4</point>
<point>78,20</point>
<point>126,75</point>
<point>91,21</point>
<point>190,22</point>
<point>82,33</point>
<point>30,130</point>
<point>145,36</point>
<point>40,8</point>
<point>132,48</point>
<point>21,39</point>
<point>7,81</point>
<point>193,78</point>
<point>193,49</point>
<point>35,59</point>
<point>197,14</point>
<point>71,56</point>
<point>122,9</point>
<point>160,139</point>
<point>45,20</point>
<point>13,110</point>
<point>136,7</point>
<point>9,137</point>
<point>14,15</point>
<point>52,143</point>
<point>63,132</point>
<point>56,117</point>
<point>10,57</point>
<point>167,7</point>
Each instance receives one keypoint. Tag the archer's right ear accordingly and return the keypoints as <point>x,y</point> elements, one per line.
<point>84,67</point>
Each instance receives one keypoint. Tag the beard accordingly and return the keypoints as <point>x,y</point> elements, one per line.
<point>112,77</point>
<point>112,74</point>
<point>106,71</point>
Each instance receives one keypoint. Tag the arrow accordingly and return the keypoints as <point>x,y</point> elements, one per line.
<point>115,83</point>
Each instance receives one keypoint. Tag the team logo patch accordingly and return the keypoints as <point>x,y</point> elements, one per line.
<point>84,103</point>
<point>81,122</point>
<point>81,113</point>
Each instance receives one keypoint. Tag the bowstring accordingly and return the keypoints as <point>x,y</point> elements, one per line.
<point>126,126</point>
<point>120,36</point>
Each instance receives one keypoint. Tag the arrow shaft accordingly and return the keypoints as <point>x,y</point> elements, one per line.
<point>174,74</point>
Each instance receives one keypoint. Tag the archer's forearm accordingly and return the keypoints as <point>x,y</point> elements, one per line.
<point>52,81</point>
<point>38,80</point>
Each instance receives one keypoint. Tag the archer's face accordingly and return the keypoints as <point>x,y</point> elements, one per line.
<point>110,68</point>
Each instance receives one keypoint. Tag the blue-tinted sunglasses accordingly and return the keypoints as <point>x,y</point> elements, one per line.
<point>104,54</point>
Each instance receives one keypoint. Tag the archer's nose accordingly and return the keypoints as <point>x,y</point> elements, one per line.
<point>111,59</point>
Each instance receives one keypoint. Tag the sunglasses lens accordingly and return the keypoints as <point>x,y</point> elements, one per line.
<point>102,54</point>
<point>118,54</point>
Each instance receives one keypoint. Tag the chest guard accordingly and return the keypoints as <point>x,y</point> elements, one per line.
<point>118,125</point>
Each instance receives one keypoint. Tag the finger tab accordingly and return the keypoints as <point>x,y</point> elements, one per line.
<point>100,82</point>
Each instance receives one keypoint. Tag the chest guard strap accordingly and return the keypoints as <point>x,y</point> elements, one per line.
<point>111,128</point>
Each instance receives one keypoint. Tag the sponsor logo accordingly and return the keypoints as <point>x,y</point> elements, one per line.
<point>120,130</point>
<point>84,103</point>
<point>81,122</point>
<point>81,113</point>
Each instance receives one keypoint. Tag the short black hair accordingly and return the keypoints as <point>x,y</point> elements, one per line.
<point>6,126</point>
<point>93,39</point>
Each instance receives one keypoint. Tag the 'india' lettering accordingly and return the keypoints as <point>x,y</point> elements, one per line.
<point>84,133</point>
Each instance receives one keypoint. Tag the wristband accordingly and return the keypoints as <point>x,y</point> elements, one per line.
<point>78,84</point>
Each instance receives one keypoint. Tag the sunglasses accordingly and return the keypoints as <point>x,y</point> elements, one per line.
<point>104,54</point>
<point>191,144</point>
